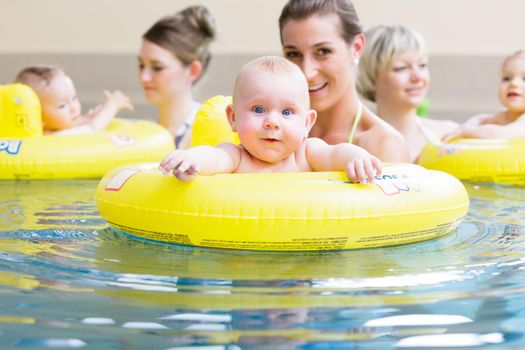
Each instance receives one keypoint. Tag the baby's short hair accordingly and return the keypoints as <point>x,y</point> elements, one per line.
<point>383,44</point>
<point>273,64</point>
<point>38,76</point>
<point>514,55</point>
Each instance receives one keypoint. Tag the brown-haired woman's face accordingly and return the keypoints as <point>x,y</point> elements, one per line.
<point>162,75</point>
<point>315,44</point>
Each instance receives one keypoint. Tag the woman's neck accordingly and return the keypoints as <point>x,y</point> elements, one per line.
<point>337,119</point>
<point>403,118</point>
<point>173,113</point>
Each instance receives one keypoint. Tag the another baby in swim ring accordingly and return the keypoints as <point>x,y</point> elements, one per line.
<point>60,106</point>
<point>506,124</point>
<point>272,116</point>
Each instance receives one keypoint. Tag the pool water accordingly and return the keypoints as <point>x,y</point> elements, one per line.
<point>67,280</point>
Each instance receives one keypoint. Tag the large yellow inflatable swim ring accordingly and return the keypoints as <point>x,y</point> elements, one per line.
<point>25,153</point>
<point>479,160</point>
<point>284,211</point>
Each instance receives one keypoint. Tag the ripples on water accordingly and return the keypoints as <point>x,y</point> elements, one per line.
<point>69,281</point>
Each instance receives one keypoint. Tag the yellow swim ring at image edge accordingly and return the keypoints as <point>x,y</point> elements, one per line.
<point>27,154</point>
<point>283,211</point>
<point>19,111</point>
<point>479,160</point>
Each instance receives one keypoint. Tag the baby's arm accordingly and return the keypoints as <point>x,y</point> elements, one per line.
<point>484,129</point>
<point>479,119</point>
<point>204,160</point>
<point>100,116</point>
<point>354,160</point>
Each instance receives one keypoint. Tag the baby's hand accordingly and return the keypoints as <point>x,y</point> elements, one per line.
<point>181,164</point>
<point>118,100</point>
<point>362,167</point>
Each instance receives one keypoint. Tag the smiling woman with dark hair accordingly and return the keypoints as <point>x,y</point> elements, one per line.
<point>325,39</point>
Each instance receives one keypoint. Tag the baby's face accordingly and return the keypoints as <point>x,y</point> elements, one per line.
<point>60,106</point>
<point>271,114</point>
<point>512,85</point>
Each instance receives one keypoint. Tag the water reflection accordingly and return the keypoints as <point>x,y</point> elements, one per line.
<point>70,281</point>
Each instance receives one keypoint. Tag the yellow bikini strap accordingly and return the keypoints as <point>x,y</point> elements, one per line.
<point>356,120</point>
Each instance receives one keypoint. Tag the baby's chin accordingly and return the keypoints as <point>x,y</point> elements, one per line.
<point>515,107</point>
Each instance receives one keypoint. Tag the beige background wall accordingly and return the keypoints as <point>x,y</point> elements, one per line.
<point>97,41</point>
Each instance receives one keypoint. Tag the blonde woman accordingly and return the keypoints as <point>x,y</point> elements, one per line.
<point>394,74</point>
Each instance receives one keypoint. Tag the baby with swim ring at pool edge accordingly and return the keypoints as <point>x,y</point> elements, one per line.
<point>272,116</point>
<point>61,109</point>
<point>508,123</point>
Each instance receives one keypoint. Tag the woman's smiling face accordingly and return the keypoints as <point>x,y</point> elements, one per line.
<point>316,45</point>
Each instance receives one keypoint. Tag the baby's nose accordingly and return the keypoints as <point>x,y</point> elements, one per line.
<point>271,120</point>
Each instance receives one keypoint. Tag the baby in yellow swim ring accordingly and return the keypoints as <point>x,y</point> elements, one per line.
<point>506,124</point>
<point>60,106</point>
<point>272,116</point>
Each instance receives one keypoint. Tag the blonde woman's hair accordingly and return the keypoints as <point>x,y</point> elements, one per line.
<point>383,44</point>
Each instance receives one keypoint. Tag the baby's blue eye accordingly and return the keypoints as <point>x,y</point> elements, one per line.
<point>287,112</point>
<point>258,109</point>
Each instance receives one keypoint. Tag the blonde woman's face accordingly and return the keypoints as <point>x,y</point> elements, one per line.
<point>512,85</point>
<point>315,44</point>
<point>162,75</point>
<point>405,81</point>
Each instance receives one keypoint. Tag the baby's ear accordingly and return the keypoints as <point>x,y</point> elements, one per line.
<point>311,117</point>
<point>230,114</point>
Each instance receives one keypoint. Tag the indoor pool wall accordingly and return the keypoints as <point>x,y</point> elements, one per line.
<point>473,91</point>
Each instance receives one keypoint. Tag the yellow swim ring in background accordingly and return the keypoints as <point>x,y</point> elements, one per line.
<point>27,154</point>
<point>479,160</point>
<point>283,211</point>
<point>211,126</point>
<point>19,111</point>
